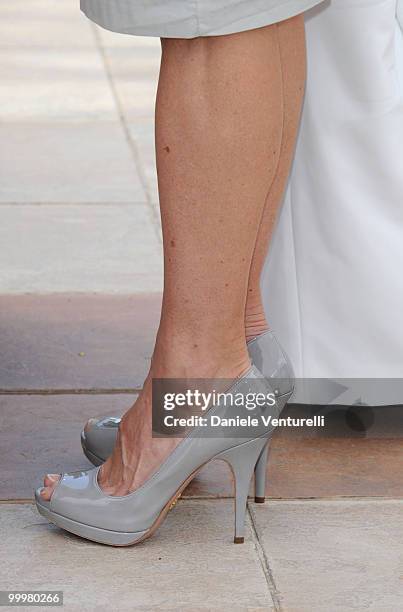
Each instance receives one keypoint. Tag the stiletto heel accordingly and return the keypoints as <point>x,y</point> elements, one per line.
<point>260,475</point>
<point>242,460</point>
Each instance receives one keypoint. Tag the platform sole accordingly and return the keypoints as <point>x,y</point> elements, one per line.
<point>103,536</point>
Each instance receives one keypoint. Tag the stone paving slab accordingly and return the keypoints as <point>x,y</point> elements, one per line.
<point>331,556</point>
<point>66,248</point>
<point>323,556</point>
<point>76,341</point>
<point>42,23</point>
<point>47,84</point>
<point>329,467</point>
<point>190,563</point>
<point>74,164</point>
<point>142,133</point>
<point>135,75</point>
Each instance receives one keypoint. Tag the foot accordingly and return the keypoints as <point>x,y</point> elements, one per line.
<point>137,455</point>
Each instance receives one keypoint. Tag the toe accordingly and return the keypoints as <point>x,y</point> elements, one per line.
<point>39,498</point>
<point>50,481</point>
<point>46,493</point>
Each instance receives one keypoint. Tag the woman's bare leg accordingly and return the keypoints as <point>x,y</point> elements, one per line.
<point>292,47</point>
<point>219,122</point>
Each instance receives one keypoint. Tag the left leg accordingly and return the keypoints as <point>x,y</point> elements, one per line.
<point>218,130</point>
<point>291,34</point>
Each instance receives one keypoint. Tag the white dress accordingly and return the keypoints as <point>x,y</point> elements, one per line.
<point>190,18</point>
<point>334,277</point>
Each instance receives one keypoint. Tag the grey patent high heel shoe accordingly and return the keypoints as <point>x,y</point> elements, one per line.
<point>266,354</point>
<point>80,506</point>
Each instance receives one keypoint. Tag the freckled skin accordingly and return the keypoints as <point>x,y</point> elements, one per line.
<point>229,106</point>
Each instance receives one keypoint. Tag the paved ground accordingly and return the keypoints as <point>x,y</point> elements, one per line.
<point>78,189</point>
<point>80,283</point>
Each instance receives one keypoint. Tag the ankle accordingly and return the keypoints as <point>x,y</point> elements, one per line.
<point>255,321</point>
<point>178,355</point>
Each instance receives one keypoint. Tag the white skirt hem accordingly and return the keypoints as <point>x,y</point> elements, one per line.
<point>115,16</point>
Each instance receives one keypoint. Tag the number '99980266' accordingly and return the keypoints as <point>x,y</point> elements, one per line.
<point>31,598</point>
